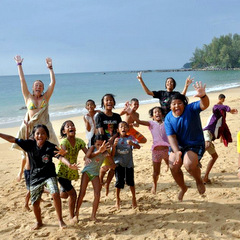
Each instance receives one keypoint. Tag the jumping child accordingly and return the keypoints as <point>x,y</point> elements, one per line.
<point>72,145</point>
<point>123,158</point>
<point>134,104</point>
<point>97,153</point>
<point>89,120</point>
<point>160,142</point>
<point>42,169</point>
<point>185,135</point>
<point>107,124</point>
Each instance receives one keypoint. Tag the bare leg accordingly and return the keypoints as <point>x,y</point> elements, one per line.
<point>58,208</point>
<point>83,187</point>
<point>134,201</point>
<point>109,179</point>
<point>37,213</point>
<point>156,173</point>
<point>72,202</point>
<point>27,197</point>
<point>214,157</point>
<point>177,175</point>
<point>102,173</point>
<point>21,170</point>
<point>118,198</point>
<point>97,191</point>
<point>190,162</point>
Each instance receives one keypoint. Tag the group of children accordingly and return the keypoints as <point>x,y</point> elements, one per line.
<point>110,150</point>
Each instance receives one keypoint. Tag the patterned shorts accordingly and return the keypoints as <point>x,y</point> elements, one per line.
<point>158,155</point>
<point>36,191</point>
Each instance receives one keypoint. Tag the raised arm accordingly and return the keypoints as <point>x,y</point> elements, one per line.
<point>201,93</point>
<point>51,86</point>
<point>8,138</point>
<point>24,87</point>
<point>145,88</point>
<point>189,80</point>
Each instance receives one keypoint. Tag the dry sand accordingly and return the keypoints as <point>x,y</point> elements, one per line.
<point>215,215</point>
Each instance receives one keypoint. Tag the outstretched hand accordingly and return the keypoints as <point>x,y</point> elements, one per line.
<point>200,89</point>
<point>139,76</point>
<point>49,62</point>
<point>18,59</point>
<point>189,80</point>
<point>60,152</point>
<point>104,147</point>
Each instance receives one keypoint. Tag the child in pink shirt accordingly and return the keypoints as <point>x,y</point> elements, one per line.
<point>160,142</point>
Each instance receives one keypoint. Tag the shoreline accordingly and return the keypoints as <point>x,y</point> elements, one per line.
<point>143,111</point>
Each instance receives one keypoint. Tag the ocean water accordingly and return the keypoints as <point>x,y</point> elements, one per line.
<point>72,90</point>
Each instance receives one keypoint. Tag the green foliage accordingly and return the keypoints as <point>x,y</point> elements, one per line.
<point>222,52</point>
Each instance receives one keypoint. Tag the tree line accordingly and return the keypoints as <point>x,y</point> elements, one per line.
<point>222,52</point>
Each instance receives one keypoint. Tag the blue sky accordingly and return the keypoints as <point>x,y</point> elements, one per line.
<point>110,35</point>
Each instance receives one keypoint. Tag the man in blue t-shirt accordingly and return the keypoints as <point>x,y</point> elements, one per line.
<point>185,135</point>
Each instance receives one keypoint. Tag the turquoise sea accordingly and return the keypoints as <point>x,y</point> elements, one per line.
<point>74,89</point>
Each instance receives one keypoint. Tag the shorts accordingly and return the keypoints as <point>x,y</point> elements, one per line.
<point>124,175</point>
<point>208,138</point>
<point>199,150</point>
<point>37,190</point>
<point>137,135</point>
<point>27,178</point>
<point>158,155</point>
<point>66,185</point>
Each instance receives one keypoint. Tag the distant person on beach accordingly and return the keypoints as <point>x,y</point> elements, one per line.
<point>37,107</point>
<point>107,124</point>
<point>42,169</point>
<point>96,153</point>
<point>123,158</point>
<point>238,150</point>
<point>89,120</point>
<point>66,175</point>
<point>160,142</point>
<point>164,96</point>
<point>217,128</point>
<point>134,104</point>
<point>185,135</point>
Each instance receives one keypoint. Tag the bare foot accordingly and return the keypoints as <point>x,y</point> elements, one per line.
<point>19,176</point>
<point>201,187</point>
<point>37,226</point>
<point>134,202</point>
<point>62,224</point>
<point>93,218</point>
<point>206,181</point>
<point>27,208</point>
<point>181,193</point>
<point>74,220</point>
<point>153,190</point>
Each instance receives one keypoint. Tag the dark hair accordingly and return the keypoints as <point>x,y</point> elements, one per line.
<point>63,135</point>
<point>174,82</point>
<point>124,123</point>
<point>179,96</point>
<point>41,126</point>
<point>134,100</point>
<point>90,100</point>
<point>151,111</point>
<point>221,96</point>
<point>107,95</point>
<point>101,137</point>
